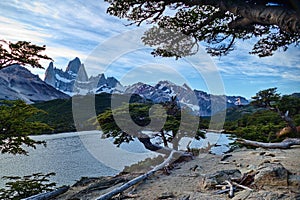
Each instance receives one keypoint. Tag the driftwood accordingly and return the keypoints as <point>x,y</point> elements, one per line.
<point>231,187</point>
<point>231,190</point>
<point>48,195</point>
<point>138,179</point>
<point>241,186</point>
<point>285,144</point>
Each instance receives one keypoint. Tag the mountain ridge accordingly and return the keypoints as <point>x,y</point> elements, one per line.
<point>74,81</point>
<point>17,82</point>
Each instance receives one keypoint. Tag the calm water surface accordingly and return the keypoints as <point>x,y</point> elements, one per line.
<point>74,155</point>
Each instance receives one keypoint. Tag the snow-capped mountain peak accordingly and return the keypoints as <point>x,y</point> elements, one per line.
<point>75,81</point>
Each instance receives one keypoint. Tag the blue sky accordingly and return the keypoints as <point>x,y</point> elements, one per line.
<point>81,28</point>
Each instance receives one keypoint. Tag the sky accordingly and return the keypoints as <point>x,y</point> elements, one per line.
<point>82,28</point>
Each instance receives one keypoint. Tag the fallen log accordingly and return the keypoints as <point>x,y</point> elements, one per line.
<point>285,144</point>
<point>138,179</point>
<point>48,195</point>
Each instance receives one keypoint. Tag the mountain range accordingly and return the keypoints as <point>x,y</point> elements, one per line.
<point>74,80</point>
<point>17,82</point>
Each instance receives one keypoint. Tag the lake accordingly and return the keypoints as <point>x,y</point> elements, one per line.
<point>74,155</point>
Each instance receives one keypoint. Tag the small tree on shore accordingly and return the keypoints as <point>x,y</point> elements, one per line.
<point>140,115</point>
<point>286,106</point>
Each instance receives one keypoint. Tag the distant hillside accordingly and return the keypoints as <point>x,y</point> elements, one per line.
<point>296,95</point>
<point>59,114</point>
<point>17,82</point>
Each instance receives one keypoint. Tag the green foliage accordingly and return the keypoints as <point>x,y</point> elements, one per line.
<point>297,119</point>
<point>59,115</point>
<point>260,126</point>
<point>140,116</point>
<point>290,103</point>
<point>22,53</point>
<point>15,127</point>
<point>26,186</point>
<point>266,98</point>
<point>261,120</point>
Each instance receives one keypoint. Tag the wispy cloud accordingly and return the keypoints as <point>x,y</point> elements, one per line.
<point>80,28</point>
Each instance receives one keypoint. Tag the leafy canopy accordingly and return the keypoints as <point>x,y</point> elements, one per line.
<point>219,24</point>
<point>22,53</point>
<point>15,127</point>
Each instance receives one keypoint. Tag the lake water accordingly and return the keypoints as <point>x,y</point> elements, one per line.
<point>74,155</point>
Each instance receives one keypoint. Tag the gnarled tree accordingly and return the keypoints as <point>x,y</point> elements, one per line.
<point>218,23</point>
<point>118,125</point>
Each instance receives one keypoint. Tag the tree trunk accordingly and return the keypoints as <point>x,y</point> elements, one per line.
<point>287,119</point>
<point>286,19</point>
<point>163,136</point>
<point>145,140</point>
<point>175,143</point>
<point>285,144</point>
<point>48,195</point>
<point>138,179</point>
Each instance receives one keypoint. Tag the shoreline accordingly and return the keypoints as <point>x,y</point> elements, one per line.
<point>190,180</point>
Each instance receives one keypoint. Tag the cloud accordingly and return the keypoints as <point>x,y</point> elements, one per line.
<point>13,30</point>
<point>79,28</point>
<point>240,62</point>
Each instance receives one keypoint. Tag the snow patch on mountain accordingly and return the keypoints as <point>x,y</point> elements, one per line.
<point>76,81</point>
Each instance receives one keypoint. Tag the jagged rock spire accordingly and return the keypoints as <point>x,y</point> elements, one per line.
<point>50,75</point>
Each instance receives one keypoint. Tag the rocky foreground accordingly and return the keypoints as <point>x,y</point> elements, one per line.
<point>241,174</point>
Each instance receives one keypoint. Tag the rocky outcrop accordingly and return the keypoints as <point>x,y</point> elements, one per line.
<point>271,174</point>
<point>73,66</point>
<point>198,102</point>
<point>74,80</point>
<point>17,82</point>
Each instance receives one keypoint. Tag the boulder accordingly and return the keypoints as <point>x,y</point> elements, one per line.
<point>271,174</point>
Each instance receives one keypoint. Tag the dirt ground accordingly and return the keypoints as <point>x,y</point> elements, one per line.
<point>183,180</point>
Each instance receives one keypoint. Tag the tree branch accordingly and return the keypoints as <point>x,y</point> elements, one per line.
<point>285,18</point>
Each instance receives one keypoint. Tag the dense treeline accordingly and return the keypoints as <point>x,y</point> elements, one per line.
<point>58,113</point>
<point>261,123</point>
<point>254,121</point>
